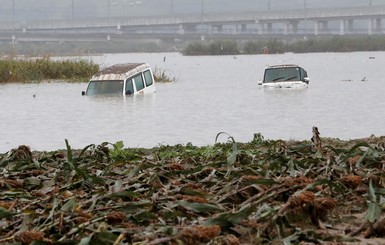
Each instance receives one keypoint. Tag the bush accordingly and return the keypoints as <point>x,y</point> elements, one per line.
<point>212,48</point>
<point>38,69</point>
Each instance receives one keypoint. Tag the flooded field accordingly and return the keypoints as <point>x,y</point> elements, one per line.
<point>212,94</point>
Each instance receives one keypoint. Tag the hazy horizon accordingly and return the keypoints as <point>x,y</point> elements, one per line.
<point>25,10</point>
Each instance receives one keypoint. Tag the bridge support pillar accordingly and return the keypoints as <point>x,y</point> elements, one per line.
<point>350,26</point>
<point>290,27</point>
<point>316,28</point>
<point>217,28</point>
<point>346,27</point>
<point>180,29</point>
<point>342,27</point>
<point>379,25</point>
<point>294,27</point>
<point>370,26</point>
<point>375,26</point>
<point>243,27</point>
<point>183,28</point>
<point>260,29</point>
<point>267,28</point>
<point>324,26</point>
<point>320,27</point>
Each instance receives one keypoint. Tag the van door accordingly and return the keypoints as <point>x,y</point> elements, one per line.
<point>139,83</point>
<point>148,78</point>
<point>129,87</point>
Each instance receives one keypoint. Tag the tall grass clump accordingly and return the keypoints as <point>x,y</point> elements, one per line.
<point>338,44</point>
<point>211,48</point>
<point>316,44</point>
<point>271,46</point>
<point>195,48</point>
<point>39,69</point>
<point>161,76</point>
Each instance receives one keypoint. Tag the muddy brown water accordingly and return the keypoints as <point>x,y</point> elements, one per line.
<point>212,94</point>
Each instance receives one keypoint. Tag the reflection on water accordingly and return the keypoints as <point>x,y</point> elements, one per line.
<point>212,95</point>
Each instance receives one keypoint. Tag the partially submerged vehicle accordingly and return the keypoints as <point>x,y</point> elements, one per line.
<point>122,79</point>
<point>285,76</point>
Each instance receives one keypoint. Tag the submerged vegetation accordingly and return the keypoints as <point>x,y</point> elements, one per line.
<point>162,76</point>
<point>274,46</point>
<point>261,192</point>
<point>38,69</point>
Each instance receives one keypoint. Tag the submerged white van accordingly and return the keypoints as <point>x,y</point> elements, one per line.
<point>122,79</point>
<point>285,76</point>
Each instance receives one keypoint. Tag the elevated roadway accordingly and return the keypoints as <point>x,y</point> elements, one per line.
<point>277,22</point>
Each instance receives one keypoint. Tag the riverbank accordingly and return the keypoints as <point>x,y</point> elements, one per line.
<point>259,45</point>
<point>277,46</point>
<point>260,192</point>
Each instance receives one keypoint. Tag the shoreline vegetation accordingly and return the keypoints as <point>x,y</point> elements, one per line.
<point>14,70</point>
<point>206,47</point>
<point>276,46</point>
<point>260,192</point>
<point>22,70</point>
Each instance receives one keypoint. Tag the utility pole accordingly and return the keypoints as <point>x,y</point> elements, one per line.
<point>108,11</point>
<point>13,13</point>
<point>305,14</point>
<point>72,10</point>
<point>202,10</point>
<point>109,20</point>
<point>13,23</point>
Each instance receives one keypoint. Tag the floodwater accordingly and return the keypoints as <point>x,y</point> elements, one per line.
<point>212,94</point>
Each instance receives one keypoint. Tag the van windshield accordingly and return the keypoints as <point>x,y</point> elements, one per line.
<point>105,87</point>
<point>282,74</point>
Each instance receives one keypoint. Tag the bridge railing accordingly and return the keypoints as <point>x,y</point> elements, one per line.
<point>208,18</point>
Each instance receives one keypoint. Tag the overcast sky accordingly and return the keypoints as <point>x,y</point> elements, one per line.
<point>24,10</point>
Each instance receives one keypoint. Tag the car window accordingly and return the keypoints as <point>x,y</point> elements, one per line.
<point>129,87</point>
<point>148,78</point>
<point>139,84</point>
<point>105,87</point>
<point>282,74</point>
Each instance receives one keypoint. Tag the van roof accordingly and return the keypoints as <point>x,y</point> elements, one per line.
<point>282,66</point>
<point>119,71</point>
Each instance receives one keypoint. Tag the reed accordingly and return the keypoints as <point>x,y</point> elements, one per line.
<point>14,70</point>
<point>321,44</point>
<point>211,48</point>
<point>338,44</point>
<point>277,46</point>
<point>162,76</point>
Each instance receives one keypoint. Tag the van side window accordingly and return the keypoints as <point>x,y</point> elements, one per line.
<point>148,78</point>
<point>303,73</point>
<point>139,84</point>
<point>129,87</point>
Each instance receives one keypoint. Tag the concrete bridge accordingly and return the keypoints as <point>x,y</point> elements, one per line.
<point>338,21</point>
